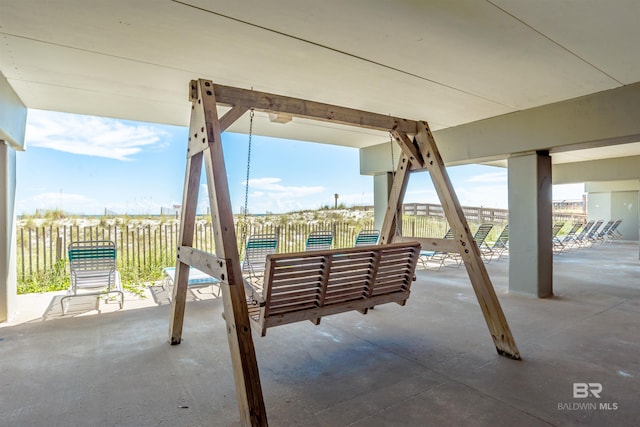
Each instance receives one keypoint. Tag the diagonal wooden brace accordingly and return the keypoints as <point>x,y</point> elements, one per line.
<point>489,304</point>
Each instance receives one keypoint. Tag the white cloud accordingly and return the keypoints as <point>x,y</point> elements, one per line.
<point>271,185</point>
<point>270,195</point>
<point>90,136</point>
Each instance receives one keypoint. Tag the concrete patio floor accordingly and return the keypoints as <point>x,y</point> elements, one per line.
<point>431,362</point>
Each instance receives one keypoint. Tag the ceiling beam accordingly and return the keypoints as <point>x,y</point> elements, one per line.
<point>617,169</point>
<point>592,121</point>
<point>605,118</point>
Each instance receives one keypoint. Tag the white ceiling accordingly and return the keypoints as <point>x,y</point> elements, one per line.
<point>449,62</point>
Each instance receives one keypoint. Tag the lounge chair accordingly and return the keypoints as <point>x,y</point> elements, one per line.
<point>480,237</point>
<point>602,235</point>
<point>255,255</point>
<point>319,240</point>
<point>581,237</point>
<point>501,245</point>
<point>568,241</point>
<point>367,238</point>
<point>439,257</point>
<point>197,279</point>
<point>613,233</point>
<point>592,235</point>
<point>93,271</point>
<point>557,241</point>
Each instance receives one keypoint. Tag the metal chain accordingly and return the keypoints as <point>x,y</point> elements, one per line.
<point>251,298</point>
<point>246,187</point>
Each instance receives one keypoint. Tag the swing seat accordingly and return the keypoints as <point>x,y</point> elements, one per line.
<point>309,285</point>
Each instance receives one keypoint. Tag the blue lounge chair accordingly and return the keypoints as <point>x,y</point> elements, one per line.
<point>367,237</point>
<point>319,240</point>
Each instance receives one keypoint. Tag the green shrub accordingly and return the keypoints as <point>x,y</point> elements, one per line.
<point>55,278</point>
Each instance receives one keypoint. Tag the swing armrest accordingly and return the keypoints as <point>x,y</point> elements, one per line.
<point>254,293</point>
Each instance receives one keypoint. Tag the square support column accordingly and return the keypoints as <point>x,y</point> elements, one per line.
<point>530,225</point>
<point>8,286</point>
<point>13,119</point>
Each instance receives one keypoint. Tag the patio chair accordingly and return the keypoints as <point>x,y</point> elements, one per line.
<point>601,236</point>
<point>581,237</point>
<point>255,255</point>
<point>367,238</point>
<point>197,280</point>
<point>439,257</point>
<point>501,245</point>
<point>592,235</point>
<point>319,240</point>
<point>557,241</point>
<point>568,241</point>
<point>613,233</point>
<point>480,237</point>
<point>93,269</point>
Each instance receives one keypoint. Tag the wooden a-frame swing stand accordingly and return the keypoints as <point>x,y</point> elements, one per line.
<point>419,152</point>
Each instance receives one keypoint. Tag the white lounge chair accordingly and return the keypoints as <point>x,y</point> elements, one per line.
<point>93,271</point>
<point>255,255</point>
<point>197,279</point>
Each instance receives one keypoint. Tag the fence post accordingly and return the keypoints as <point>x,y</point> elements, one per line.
<point>58,248</point>
<point>22,250</point>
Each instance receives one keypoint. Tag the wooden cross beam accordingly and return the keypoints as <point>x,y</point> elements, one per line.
<point>268,102</point>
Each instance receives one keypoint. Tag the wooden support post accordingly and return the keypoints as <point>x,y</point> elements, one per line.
<point>185,237</point>
<point>410,158</point>
<point>396,195</point>
<point>491,309</point>
<point>205,140</point>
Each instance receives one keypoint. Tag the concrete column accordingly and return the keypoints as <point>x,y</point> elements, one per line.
<point>7,225</point>
<point>530,224</point>
<point>13,117</point>
<point>381,187</point>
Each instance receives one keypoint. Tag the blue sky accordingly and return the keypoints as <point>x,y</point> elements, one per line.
<point>84,165</point>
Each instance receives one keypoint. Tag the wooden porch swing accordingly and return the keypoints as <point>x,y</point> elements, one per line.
<point>299,286</point>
